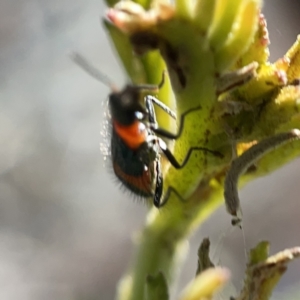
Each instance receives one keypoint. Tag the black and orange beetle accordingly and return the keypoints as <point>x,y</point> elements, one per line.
<point>136,138</point>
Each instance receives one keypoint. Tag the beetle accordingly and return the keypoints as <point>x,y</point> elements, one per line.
<point>136,138</point>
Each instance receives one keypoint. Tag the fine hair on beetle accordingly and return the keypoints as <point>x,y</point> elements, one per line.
<point>136,142</point>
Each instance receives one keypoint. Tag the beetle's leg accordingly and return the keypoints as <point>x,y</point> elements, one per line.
<point>174,162</point>
<point>151,99</point>
<point>158,202</point>
<point>157,130</point>
<point>167,196</point>
<point>151,111</point>
<point>158,186</point>
<point>169,135</point>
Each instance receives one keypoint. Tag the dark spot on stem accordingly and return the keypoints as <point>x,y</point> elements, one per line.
<point>144,41</point>
<point>171,57</point>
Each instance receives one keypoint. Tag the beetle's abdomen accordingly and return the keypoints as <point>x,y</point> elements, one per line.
<point>128,166</point>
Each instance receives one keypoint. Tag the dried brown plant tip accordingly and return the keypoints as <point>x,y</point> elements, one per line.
<point>243,162</point>
<point>204,261</point>
<point>263,271</point>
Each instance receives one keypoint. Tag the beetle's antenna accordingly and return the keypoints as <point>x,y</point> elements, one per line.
<point>94,72</point>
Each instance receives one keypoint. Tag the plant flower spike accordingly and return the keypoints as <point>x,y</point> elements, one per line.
<point>241,107</point>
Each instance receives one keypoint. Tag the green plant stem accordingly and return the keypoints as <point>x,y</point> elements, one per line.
<point>161,242</point>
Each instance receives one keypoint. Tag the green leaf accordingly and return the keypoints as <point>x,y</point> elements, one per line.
<point>224,19</point>
<point>241,36</point>
<point>203,15</point>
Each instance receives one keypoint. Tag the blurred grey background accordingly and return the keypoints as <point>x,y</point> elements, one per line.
<point>65,226</point>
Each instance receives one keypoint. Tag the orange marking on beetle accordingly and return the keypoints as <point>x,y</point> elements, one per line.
<point>133,135</point>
